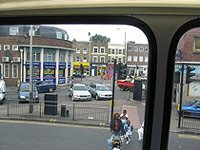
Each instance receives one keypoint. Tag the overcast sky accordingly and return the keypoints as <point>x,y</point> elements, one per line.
<point>115,32</point>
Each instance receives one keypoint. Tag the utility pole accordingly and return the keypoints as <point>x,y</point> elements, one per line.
<point>31,71</point>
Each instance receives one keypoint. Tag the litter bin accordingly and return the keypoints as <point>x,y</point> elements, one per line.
<point>137,91</point>
<point>50,104</point>
<point>63,110</point>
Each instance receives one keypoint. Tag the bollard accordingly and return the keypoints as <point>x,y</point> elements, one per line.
<point>63,109</point>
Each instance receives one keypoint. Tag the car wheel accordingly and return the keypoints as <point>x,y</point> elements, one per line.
<point>51,90</point>
<point>96,97</point>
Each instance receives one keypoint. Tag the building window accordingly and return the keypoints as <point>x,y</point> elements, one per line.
<point>129,48</point>
<point>6,70</point>
<point>85,50</point>
<point>146,49</point>
<point>59,35</point>
<point>129,58</point>
<point>102,50</point>
<point>113,60</point>
<point>78,59</point>
<point>95,49</point>
<point>146,59</point>
<point>84,59</point>
<point>112,51</point>
<point>6,47</point>
<point>119,60</point>
<point>120,51</point>
<point>102,59</point>
<point>78,50</point>
<point>14,31</point>
<point>15,71</point>
<point>141,59</point>
<point>61,57</point>
<point>135,48</point>
<point>196,48</point>
<point>49,57</point>
<point>36,56</point>
<point>135,59</point>
<point>141,49</point>
<point>95,59</point>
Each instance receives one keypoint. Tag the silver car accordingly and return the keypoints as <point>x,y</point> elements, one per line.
<point>79,92</point>
<point>100,91</point>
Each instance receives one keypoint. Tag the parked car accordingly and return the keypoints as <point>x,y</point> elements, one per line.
<point>100,91</point>
<point>2,91</point>
<point>78,75</point>
<point>24,92</point>
<point>79,92</point>
<point>192,110</point>
<point>45,86</point>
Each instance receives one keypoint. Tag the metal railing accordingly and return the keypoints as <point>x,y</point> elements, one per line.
<point>191,121</point>
<point>48,110</point>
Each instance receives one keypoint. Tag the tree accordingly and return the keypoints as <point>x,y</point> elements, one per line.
<point>97,38</point>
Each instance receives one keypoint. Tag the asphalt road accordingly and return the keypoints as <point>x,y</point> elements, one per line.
<point>17,135</point>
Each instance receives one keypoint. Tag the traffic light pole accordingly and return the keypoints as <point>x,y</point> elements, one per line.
<point>113,91</point>
<point>181,96</point>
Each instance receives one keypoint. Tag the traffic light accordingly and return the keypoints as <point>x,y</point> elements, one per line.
<point>189,69</point>
<point>177,77</point>
<point>121,71</point>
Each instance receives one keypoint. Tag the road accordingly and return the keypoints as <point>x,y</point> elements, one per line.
<point>17,135</point>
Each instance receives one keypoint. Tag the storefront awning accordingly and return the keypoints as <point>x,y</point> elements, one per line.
<point>77,64</point>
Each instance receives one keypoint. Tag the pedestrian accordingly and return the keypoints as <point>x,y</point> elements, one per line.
<point>124,118</point>
<point>116,129</point>
<point>129,129</point>
<point>141,132</point>
<point>116,125</point>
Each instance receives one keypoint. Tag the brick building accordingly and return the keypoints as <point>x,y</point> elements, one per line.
<point>52,54</point>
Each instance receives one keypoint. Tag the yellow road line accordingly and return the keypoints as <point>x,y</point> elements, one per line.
<point>189,136</point>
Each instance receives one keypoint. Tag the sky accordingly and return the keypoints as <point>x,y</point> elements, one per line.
<point>117,33</point>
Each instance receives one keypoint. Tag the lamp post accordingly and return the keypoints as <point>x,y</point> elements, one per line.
<point>125,47</point>
<point>21,71</point>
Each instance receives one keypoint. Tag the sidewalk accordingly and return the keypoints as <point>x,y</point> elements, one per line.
<point>132,115</point>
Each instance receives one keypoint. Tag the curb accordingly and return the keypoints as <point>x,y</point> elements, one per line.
<point>103,125</point>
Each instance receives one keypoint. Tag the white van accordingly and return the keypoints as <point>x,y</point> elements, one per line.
<point>2,91</point>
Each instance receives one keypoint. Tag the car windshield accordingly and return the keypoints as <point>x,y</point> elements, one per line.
<point>80,88</point>
<point>25,87</point>
<point>102,88</point>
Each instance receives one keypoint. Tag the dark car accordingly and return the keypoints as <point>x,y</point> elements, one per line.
<point>24,92</point>
<point>45,86</point>
<point>78,75</point>
<point>192,110</point>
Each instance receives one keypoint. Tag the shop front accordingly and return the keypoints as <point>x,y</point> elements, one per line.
<point>86,67</point>
<point>36,71</point>
<point>61,73</point>
<point>98,69</point>
<point>49,73</point>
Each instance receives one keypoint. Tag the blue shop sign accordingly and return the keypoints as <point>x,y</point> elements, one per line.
<point>35,64</point>
<point>49,65</point>
<point>62,65</point>
<point>50,79</point>
<point>61,81</point>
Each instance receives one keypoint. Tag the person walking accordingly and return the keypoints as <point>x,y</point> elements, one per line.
<point>116,125</point>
